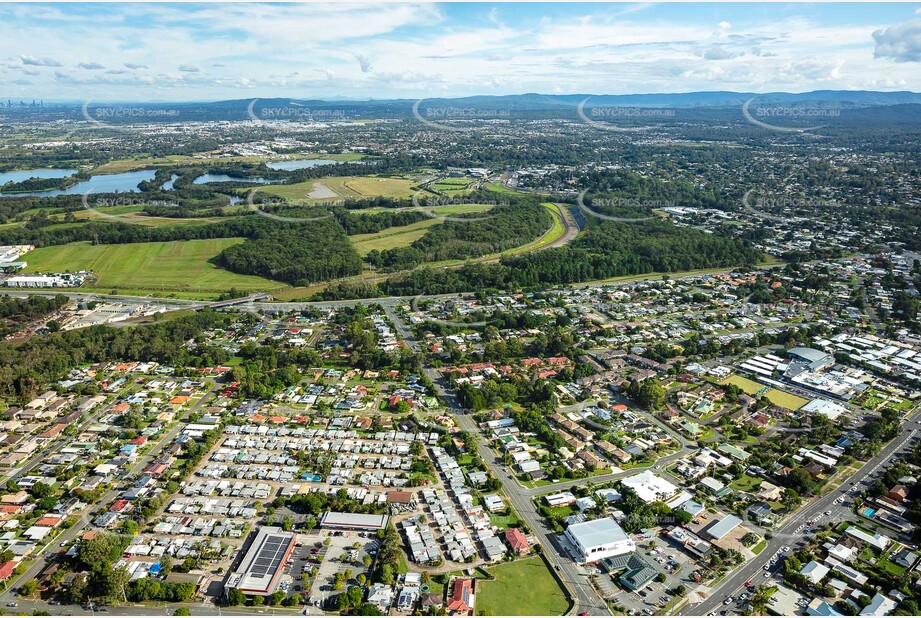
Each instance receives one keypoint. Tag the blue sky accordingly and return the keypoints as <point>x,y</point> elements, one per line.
<point>173,52</point>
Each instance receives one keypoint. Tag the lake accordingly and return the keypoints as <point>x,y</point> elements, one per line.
<point>168,185</point>
<point>6,177</point>
<point>126,182</point>
<point>207,178</point>
<point>299,164</point>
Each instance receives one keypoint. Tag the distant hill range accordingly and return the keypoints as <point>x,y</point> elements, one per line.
<point>521,105</point>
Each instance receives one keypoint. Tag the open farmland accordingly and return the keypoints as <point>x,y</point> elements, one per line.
<point>155,267</point>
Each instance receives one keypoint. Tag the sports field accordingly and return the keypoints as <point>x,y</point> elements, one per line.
<point>521,588</point>
<point>781,398</point>
<point>156,266</point>
<point>451,185</point>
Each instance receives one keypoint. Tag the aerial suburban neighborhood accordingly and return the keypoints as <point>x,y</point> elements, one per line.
<point>460,309</point>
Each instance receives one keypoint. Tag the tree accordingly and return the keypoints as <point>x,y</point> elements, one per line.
<point>235,596</point>
<point>29,588</point>
<point>387,574</point>
<point>182,611</point>
<point>293,600</point>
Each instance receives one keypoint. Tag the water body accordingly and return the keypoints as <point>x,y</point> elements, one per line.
<point>6,177</point>
<point>207,178</point>
<point>126,182</point>
<point>168,185</point>
<point>299,164</point>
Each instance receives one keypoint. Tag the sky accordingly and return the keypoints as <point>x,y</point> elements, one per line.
<point>206,52</point>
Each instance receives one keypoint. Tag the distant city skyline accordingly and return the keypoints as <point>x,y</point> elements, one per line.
<point>199,52</point>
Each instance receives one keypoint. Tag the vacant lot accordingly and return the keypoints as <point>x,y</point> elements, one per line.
<point>164,266</point>
<point>521,588</point>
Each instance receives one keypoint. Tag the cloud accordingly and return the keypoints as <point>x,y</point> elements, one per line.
<point>901,42</point>
<point>22,82</point>
<point>116,72</point>
<point>188,68</point>
<point>718,52</point>
<point>40,62</point>
<point>364,62</point>
<point>132,65</point>
<point>90,66</point>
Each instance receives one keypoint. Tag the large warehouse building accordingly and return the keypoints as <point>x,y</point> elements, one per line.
<point>599,539</point>
<point>262,566</point>
<point>353,521</point>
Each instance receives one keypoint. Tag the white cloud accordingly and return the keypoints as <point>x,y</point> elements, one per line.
<point>40,62</point>
<point>90,66</point>
<point>901,42</point>
<point>187,68</point>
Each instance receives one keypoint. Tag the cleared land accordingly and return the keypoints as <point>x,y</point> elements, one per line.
<point>402,236</point>
<point>179,266</point>
<point>781,398</point>
<point>355,187</point>
<point>521,588</point>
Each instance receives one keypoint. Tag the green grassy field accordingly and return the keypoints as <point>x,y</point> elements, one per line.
<point>745,483</point>
<point>391,237</point>
<point>180,266</point>
<point>781,398</point>
<point>451,185</point>
<point>355,187</point>
<point>521,588</point>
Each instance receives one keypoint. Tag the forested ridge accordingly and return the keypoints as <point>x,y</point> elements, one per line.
<point>298,253</point>
<point>607,249</point>
<point>507,225</point>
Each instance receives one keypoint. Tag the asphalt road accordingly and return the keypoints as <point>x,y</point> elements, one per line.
<point>751,571</point>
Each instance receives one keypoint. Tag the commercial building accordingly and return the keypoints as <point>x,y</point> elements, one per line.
<point>720,529</point>
<point>262,566</point>
<point>649,487</point>
<point>353,521</point>
<point>598,539</point>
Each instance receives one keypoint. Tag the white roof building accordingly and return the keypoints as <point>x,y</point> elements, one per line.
<point>879,606</point>
<point>598,539</point>
<point>815,571</point>
<point>650,487</point>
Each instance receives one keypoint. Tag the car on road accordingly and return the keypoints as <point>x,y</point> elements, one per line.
<point>12,604</point>
<point>727,601</point>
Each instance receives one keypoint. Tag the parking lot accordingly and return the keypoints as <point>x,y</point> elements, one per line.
<point>677,566</point>
<point>318,562</point>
